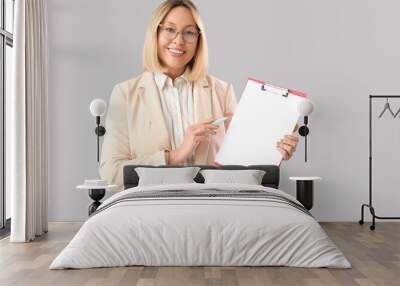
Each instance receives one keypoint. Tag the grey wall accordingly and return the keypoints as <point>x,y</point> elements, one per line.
<point>336,51</point>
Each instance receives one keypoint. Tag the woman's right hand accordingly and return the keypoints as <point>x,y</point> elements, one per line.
<point>194,134</point>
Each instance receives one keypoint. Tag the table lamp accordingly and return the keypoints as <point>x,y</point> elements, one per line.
<point>305,108</point>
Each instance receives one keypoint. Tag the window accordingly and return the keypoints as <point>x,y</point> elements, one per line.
<point>6,44</point>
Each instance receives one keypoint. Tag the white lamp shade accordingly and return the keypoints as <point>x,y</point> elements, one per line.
<point>305,107</point>
<point>98,107</point>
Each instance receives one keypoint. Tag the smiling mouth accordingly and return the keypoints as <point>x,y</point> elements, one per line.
<point>176,53</point>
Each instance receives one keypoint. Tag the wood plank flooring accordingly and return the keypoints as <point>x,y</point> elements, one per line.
<point>374,255</point>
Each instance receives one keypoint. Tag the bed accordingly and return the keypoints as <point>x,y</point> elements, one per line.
<point>201,224</point>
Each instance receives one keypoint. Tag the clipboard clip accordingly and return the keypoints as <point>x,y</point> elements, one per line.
<point>284,94</point>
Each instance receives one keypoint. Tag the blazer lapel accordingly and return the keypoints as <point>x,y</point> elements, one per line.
<point>151,97</point>
<point>202,111</point>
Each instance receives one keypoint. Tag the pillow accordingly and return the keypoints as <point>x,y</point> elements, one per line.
<point>248,177</point>
<point>162,176</point>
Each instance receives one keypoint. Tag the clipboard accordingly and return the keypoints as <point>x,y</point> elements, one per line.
<point>265,113</point>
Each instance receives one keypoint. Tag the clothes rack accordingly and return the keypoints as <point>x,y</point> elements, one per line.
<point>370,205</point>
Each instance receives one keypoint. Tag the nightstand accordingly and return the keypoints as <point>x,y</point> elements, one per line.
<point>305,190</point>
<point>96,193</point>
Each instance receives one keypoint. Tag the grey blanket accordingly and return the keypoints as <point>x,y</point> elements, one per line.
<point>207,193</point>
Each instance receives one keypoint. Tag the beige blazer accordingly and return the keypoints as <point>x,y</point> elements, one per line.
<point>136,132</point>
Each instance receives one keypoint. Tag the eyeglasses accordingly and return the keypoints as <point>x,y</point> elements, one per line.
<point>189,34</point>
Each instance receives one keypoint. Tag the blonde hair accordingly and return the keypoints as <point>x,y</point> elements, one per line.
<point>199,64</point>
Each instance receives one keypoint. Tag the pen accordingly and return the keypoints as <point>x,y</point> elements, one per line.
<point>219,120</point>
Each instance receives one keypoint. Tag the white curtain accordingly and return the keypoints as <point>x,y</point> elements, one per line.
<point>26,123</point>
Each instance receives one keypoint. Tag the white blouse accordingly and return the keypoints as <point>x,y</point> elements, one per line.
<point>177,104</point>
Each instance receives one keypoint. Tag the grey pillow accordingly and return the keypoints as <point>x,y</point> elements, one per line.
<point>249,177</point>
<point>162,176</point>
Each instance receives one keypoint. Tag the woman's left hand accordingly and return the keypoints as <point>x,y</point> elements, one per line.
<point>287,146</point>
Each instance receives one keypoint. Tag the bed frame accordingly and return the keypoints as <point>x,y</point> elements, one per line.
<point>270,179</point>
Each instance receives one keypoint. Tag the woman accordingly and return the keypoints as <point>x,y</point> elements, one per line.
<point>163,116</point>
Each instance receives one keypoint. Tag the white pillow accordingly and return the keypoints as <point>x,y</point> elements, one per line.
<point>162,176</point>
<point>248,177</point>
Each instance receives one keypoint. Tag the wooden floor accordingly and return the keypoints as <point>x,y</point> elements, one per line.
<point>374,255</point>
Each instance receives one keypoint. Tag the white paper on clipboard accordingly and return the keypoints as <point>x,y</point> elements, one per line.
<point>264,114</point>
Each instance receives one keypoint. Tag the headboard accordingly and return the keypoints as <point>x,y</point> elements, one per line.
<point>270,179</point>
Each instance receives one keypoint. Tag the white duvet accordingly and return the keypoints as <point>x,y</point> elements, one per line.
<point>200,231</point>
